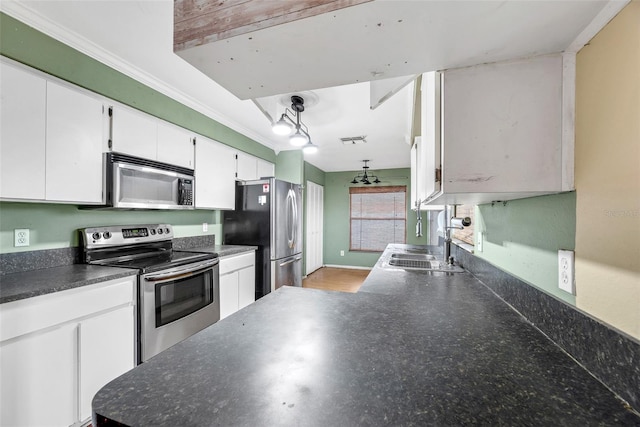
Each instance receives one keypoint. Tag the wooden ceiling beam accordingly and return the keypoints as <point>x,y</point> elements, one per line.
<point>198,22</point>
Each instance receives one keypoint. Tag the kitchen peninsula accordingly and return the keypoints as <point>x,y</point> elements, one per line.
<point>439,349</point>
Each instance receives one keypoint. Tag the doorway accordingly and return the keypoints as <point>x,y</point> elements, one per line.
<point>314,227</point>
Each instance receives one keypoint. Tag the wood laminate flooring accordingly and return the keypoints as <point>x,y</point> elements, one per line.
<point>336,279</point>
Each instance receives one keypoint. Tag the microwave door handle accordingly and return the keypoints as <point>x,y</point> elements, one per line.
<point>181,272</point>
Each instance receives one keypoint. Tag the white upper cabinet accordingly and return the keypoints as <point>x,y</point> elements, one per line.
<point>249,167</point>
<point>215,174</point>
<point>175,145</point>
<point>501,135</point>
<point>265,169</point>
<point>142,135</point>
<point>51,140</point>
<point>246,167</point>
<point>134,133</point>
<point>22,134</point>
<point>74,146</point>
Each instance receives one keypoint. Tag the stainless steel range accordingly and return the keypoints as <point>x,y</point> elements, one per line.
<point>178,291</point>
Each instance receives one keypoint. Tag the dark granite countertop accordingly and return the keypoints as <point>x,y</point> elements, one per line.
<point>411,349</point>
<point>225,250</point>
<point>27,284</point>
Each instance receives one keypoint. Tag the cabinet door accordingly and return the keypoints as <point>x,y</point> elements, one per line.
<point>22,134</point>
<point>246,286</point>
<point>415,193</point>
<point>38,378</point>
<point>247,167</point>
<point>215,175</point>
<point>503,127</point>
<point>133,133</point>
<point>265,169</point>
<point>106,352</point>
<point>428,149</point>
<point>74,146</point>
<point>228,294</point>
<point>175,145</point>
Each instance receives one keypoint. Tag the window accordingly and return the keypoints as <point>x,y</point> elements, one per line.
<point>378,217</point>
<point>466,235</point>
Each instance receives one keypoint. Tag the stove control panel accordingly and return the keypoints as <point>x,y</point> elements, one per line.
<point>94,237</point>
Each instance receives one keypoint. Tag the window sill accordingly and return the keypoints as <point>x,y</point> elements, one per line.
<point>463,245</point>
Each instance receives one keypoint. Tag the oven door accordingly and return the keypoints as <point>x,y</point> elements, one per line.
<point>175,304</point>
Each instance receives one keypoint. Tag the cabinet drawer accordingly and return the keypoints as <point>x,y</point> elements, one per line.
<point>33,314</point>
<point>237,262</point>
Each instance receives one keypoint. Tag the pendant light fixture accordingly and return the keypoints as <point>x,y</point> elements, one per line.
<point>365,177</point>
<point>290,123</point>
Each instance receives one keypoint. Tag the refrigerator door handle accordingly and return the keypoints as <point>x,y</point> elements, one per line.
<point>291,261</point>
<point>291,218</point>
<point>294,206</point>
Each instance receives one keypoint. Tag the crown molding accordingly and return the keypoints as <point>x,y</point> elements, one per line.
<point>23,13</point>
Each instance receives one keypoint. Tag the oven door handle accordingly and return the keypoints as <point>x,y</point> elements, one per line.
<point>179,273</point>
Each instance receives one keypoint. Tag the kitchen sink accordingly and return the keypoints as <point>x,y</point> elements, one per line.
<point>419,261</point>
<point>413,257</point>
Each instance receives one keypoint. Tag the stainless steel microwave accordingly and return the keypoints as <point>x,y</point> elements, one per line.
<point>136,183</point>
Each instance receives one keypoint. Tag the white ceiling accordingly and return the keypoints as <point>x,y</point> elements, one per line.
<point>381,39</point>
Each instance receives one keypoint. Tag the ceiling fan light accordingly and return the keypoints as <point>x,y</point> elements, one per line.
<point>281,127</point>
<point>298,139</point>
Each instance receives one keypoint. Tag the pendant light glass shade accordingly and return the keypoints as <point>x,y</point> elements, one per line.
<point>298,139</point>
<point>281,127</point>
<point>310,148</point>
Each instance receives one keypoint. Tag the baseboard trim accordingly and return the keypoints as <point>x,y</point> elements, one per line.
<point>350,267</point>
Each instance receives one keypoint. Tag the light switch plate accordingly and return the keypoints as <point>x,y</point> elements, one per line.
<point>21,237</point>
<point>479,242</point>
<point>205,226</point>
<point>566,268</point>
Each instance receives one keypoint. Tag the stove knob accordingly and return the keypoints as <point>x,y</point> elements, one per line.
<point>107,234</point>
<point>153,231</point>
<point>166,230</point>
<point>96,236</point>
<point>159,230</point>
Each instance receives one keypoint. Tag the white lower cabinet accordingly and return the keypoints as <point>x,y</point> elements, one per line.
<point>38,379</point>
<point>58,350</point>
<point>106,352</point>
<point>237,283</point>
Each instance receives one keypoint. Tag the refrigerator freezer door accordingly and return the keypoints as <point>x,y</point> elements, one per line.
<point>286,272</point>
<point>286,217</point>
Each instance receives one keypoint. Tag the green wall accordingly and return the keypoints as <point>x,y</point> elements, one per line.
<point>336,217</point>
<point>524,236</point>
<point>312,173</point>
<point>54,225</point>
<point>290,166</point>
<point>31,47</point>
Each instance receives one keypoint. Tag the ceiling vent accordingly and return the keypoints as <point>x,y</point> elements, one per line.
<point>353,140</point>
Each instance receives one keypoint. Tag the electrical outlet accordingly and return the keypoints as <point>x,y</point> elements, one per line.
<point>479,242</point>
<point>341,253</point>
<point>21,237</point>
<point>205,227</point>
<point>566,277</point>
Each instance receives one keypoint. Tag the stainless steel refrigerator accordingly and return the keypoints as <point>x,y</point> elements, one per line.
<point>268,214</point>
